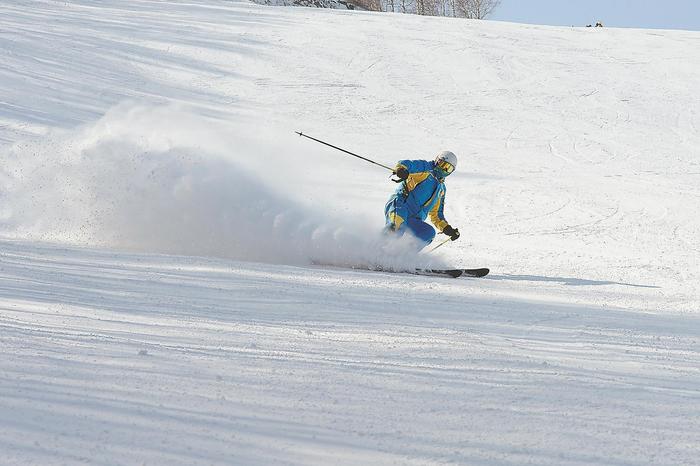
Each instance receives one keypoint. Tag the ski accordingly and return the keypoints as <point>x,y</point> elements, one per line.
<point>476,273</point>
<point>454,273</point>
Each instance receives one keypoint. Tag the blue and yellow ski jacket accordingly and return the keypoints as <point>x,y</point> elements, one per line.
<point>420,195</point>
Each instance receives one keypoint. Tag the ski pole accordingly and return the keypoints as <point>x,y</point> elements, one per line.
<point>346,151</point>
<point>448,239</point>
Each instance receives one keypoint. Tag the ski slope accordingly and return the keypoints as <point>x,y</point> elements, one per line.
<point>160,222</point>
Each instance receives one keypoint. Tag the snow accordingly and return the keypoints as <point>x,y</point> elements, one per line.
<point>160,221</point>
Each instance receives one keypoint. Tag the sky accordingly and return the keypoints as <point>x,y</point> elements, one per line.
<point>654,14</point>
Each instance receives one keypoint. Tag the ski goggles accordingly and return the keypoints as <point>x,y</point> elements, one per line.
<point>445,166</point>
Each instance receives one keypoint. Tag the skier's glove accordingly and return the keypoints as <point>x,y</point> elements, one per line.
<point>453,233</point>
<point>401,172</point>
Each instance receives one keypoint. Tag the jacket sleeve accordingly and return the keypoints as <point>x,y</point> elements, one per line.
<point>436,213</point>
<point>415,166</point>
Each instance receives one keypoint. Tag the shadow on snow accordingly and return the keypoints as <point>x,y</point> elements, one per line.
<point>564,280</point>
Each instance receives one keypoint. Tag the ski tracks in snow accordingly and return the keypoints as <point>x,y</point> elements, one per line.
<point>213,361</point>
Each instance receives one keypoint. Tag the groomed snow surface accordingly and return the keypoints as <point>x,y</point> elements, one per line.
<point>163,298</point>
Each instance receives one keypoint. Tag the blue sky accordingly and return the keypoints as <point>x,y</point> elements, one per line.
<point>657,14</point>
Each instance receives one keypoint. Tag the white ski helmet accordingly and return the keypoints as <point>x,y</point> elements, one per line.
<point>446,161</point>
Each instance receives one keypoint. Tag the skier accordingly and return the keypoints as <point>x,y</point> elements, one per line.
<point>421,193</point>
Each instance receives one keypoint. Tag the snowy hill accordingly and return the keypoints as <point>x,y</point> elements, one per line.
<point>159,222</point>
